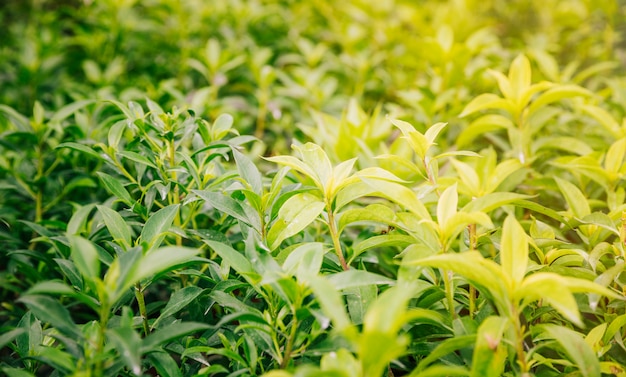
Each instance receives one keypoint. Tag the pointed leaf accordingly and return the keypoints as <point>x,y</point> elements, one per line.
<point>520,76</point>
<point>120,231</point>
<point>575,199</point>
<point>114,187</point>
<point>299,166</point>
<point>578,352</point>
<point>178,301</point>
<point>51,311</point>
<point>434,130</point>
<point>81,148</point>
<point>555,94</point>
<point>485,274</point>
<point>85,257</point>
<point>157,224</point>
<point>162,260</point>
<point>239,210</point>
<point>447,205</point>
<point>486,101</point>
<point>128,343</point>
<point>490,351</point>
<point>357,278</point>
<point>234,258</point>
<point>553,290</point>
<point>315,157</point>
<point>170,333</point>
<point>248,171</point>
<point>514,250</point>
<point>419,143</point>
<point>296,214</point>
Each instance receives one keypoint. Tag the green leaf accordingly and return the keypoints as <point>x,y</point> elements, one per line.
<point>485,274</point>
<point>377,213</point>
<point>441,370</point>
<point>605,119</point>
<point>575,347</point>
<point>78,219</point>
<point>9,336</point>
<point>85,257</point>
<point>81,148</point>
<point>483,124</point>
<point>442,349</point>
<point>418,142</point>
<point>299,166</point>
<point>399,194</point>
<point>514,250</point>
<point>305,259</point>
<point>386,240</point>
<point>614,158</point>
<point>162,260</point>
<point>51,311</point>
<point>15,372</point>
<point>447,205</point>
<point>221,127</point>
<point>486,101</point>
<point>296,214</point>
<point>520,76</point>
<point>490,352</point>
<point>157,224</point>
<point>128,343</point>
<point>138,158</point>
<point>493,201</point>
<point>114,187</point>
<point>120,231</point>
<point>574,197</point>
<point>551,289</point>
<point>357,278</point>
<point>232,207</point>
<point>358,300</point>
<point>235,259</point>
<point>178,301</point>
<point>433,131</point>
<point>248,171</point>
<point>166,365</point>
<point>330,301</point>
<point>170,333</point>
<point>555,94</point>
<point>70,109</point>
<point>315,157</point>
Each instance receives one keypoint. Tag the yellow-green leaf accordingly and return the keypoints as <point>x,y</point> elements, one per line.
<point>514,250</point>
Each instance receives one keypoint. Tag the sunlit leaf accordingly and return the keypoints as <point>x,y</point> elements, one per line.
<point>296,214</point>
<point>577,351</point>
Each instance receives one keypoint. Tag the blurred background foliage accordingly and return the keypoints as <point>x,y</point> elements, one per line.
<point>278,63</point>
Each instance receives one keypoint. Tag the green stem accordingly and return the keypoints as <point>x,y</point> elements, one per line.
<point>176,191</point>
<point>142,308</point>
<point>519,343</point>
<point>449,288</point>
<point>473,244</point>
<point>290,342</point>
<point>334,234</point>
<point>99,352</point>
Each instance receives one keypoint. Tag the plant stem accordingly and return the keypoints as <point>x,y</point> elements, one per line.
<point>290,342</point>
<point>449,288</point>
<point>335,236</point>
<point>176,193</point>
<point>519,342</point>
<point>473,244</point>
<point>142,308</point>
<point>99,352</point>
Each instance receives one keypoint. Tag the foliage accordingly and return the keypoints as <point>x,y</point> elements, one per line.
<point>193,188</point>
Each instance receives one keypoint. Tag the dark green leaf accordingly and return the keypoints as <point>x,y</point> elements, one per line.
<point>51,311</point>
